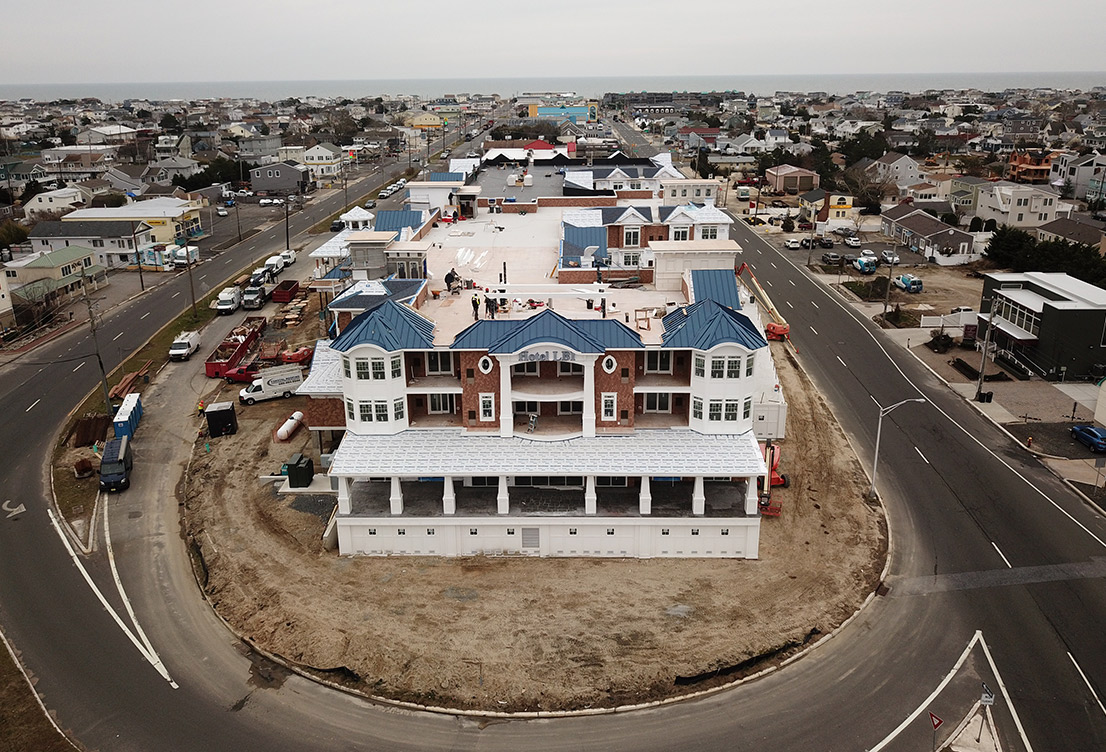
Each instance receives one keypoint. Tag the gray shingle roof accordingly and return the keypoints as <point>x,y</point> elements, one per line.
<point>81,229</point>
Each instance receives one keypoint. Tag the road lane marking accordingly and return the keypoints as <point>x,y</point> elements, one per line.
<point>1085,681</point>
<point>79,367</point>
<point>792,282</point>
<point>768,282</point>
<point>814,330</point>
<point>202,277</point>
<point>174,295</point>
<point>144,315</point>
<point>840,361</point>
<point>773,263</point>
<point>814,304</point>
<point>788,304</point>
<point>153,660</point>
<point>1000,553</point>
<point>919,451</point>
<point>33,404</point>
<point>226,262</point>
<point>117,336</point>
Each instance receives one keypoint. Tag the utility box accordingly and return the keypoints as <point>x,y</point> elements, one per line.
<point>221,419</point>
<point>301,471</point>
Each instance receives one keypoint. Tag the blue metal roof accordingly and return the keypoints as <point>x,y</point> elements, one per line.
<point>719,285</point>
<point>394,220</point>
<point>400,290</point>
<point>583,335</point>
<point>703,325</point>
<point>611,332</point>
<point>390,326</point>
<point>447,177</point>
<point>576,239</point>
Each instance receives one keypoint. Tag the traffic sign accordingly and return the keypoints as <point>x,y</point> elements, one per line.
<point>935,721</point>
<point>988,697</point>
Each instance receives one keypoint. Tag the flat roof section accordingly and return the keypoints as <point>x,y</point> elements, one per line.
<point>493,183</point>
<point>440,452</point>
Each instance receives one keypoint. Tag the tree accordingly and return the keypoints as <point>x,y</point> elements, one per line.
<point>30,190</point>
<point>788,224</point>
<point>971,164</point>
<point>169,123</point>
<point>11,233</point>
<point>143,114</point>
<point>865,186</point>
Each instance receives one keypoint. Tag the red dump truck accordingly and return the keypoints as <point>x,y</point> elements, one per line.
<point>234,347</point>
<point>286,291</point>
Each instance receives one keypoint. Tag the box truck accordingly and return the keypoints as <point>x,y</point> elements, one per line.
<point>229,300</point>
<point>280,381</point>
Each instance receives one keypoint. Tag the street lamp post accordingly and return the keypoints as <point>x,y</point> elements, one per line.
<point>879,433</point>
<point>986,347</point>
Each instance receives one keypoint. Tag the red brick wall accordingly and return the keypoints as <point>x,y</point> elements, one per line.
<point>681,366</point>
<point>514,208</point>
<point>324,412</point>
<point>650,233</point>
<point>613,382</point>
<point>480,382</point>
<point>584,201</point>
<point>344,317</point>
<point>587,276</point>
<point>634,194</point>
<point>614,236</point>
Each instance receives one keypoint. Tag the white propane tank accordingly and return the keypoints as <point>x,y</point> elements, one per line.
<point>290,426</point>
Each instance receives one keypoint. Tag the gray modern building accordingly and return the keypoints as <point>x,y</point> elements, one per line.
<point>281,178</point>
<point>1046,323</point>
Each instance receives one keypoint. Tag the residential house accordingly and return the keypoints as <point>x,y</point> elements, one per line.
<point>107,133</point>
<point>281,178</point>
<point>678,190</point>
<point>426,121</point>
<point>7,311</point>
<point>1074,172</point>
<point>43,280</point>
<point>1046,323</point>
<point>922,233</point>
<point>895,169</point>
<point>113,244</point>
<point>622,178</point>
<point>127,178</point>
<point>54,203</point>
<point>790,179</point>
<point>259,149</point>
<point>166,170</point>
<point>324,162</point>
<point>1082,230</point>
<point>1017,205</point>
<point>1029,165</point>
<point>964,193</point>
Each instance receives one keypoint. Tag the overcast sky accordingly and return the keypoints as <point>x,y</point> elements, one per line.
<point>78,41</point>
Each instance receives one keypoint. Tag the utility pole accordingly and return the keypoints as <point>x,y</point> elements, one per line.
<point>238,219</point>
<point>137,254</point>
<point>96,342</point>
<point>986,346</point>
<point>887,297</point>
<point>287,242</point>
<point>191,285</point>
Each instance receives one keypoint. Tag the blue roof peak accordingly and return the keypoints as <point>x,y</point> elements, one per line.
<point>706,324</point>
<point>390,326</point>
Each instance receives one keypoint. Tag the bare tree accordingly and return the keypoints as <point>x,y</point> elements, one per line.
<point>868,187</point>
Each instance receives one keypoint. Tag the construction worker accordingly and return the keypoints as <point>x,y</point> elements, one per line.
<point>200,408</point>
<point>475,307</point>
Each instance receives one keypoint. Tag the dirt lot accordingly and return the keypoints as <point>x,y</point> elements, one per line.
<point>945,288</point>
<point>527,634</point>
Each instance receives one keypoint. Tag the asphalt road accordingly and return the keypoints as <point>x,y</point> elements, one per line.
<point>960,510</point>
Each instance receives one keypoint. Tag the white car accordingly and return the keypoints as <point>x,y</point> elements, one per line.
<point>852,242</point>
<point>868,254</point>
<point>792,244</point>
<point>890,257</point>
<point>220,212</point>
<point>265,201</point>
<point>278,202</point>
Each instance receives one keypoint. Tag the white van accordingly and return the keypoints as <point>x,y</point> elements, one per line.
<point>275,264</point>
<point>184,345</point>
<point>280,381</point>
<point>289,257</point>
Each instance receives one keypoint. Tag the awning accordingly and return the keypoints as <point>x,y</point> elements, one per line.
<point>438,452</point>
<point>1010,330</point>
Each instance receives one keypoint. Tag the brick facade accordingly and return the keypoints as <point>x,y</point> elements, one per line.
<point>587,276</point>
<point>634,194</point>
<point>473,386</point>
<point>622,385</point>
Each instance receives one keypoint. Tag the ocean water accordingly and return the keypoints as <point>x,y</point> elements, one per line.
<point>584,86</point>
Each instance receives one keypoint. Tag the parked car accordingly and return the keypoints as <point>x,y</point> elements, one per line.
<point>825,243</point>
<point>852,241</point>
<point>868,254</point>
<point>889,257</point>
<point>265,201</point>
<point>870,211</point>
<point>805,244</point>
<point>792,243</point>
<point>445,154</point>
<point>865,265</point>
<point>849,258</point>
<point>831,259</point>
<point>370,204</point>
<point>845,232</point>
<point>1092,436</point>
<point>779,204</point>
<point>221,212</point>
<point>336,225</point>
<point>804,226</point>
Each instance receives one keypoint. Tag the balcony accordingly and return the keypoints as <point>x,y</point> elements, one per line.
<point>549,427</point>
<point>545,390</point>
<point>434,385</point>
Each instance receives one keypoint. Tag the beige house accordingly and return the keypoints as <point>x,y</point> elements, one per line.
<point>169,219</point>
<point>426,121</point>
<point>41,281</point>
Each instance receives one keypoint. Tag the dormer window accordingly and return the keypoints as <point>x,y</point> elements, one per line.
<point>631,237</point>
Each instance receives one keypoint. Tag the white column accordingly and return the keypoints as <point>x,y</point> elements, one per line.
<point>344,484</point>
<point>449,499</point>
<point>752,500</point>
<point>589,398</point>
<point>698,497</point>
<point>590,496</point>
<point>396,498</point>
<point>503,499</point>
<point>506,403</point>
<point>645,497</point>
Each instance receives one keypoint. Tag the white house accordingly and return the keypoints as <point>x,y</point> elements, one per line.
<point>54,203</point>
<point>1017,205</point>
<point>324,161</point>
